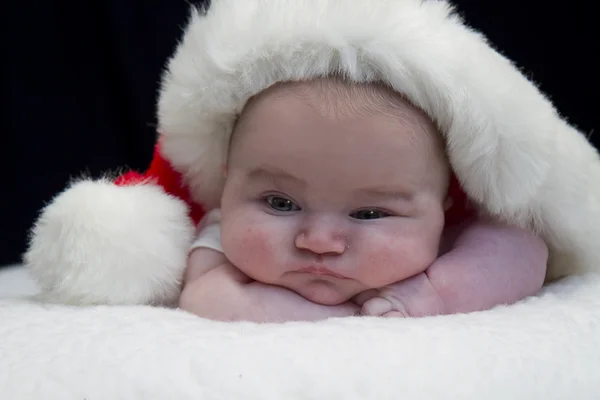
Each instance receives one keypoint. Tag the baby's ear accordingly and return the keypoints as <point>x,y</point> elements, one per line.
<point>448,203</point>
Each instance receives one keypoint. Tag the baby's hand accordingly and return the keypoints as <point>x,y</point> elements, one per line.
<point>380,303</point>
<point>412,297</point>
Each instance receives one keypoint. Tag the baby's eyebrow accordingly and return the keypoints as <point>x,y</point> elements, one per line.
<point>388,193</point>
<point>273,173</point>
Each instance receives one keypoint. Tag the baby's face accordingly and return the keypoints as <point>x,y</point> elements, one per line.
<point>329,196</point>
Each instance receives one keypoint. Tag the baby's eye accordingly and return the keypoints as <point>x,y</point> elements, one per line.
<point>282,204</point>
<point>369,214</point>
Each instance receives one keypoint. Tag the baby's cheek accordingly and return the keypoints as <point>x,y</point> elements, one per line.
<point>392,261</point>
<point>382,267</point>
<point>251,251</point>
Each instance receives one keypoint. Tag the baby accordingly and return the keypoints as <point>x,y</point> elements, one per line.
<point>334,205</point>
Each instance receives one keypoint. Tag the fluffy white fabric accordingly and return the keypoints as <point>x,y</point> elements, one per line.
<point>98,243</point>
<point>545,348</point>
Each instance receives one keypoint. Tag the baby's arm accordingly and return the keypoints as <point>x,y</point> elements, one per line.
<point>488,264</point>
<point>215,289</point>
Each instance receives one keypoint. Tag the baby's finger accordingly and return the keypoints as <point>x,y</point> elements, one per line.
<point>376,307</point>
<point>367,295</point>
<point>394,314</point>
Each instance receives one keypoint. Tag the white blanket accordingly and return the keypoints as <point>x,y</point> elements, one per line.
<point>543,348</point>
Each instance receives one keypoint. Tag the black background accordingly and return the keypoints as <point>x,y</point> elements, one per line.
<point>80,79</point>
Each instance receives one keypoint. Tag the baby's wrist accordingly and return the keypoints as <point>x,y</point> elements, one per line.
<point>421,298</point>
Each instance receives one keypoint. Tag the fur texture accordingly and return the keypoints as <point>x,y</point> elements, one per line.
<point>546,348</point>
<point>98,243</point>
<point>511,151</point>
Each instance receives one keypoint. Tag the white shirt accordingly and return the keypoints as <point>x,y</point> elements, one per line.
<point>208,234</point>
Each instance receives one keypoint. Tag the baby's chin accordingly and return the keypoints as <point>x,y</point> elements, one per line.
<point>324,292</point>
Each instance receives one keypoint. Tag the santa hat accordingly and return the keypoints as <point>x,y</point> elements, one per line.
<point>513,154</point>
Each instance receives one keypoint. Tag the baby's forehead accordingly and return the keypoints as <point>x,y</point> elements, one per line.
<point>338,97</point>
<point>339,100</point>
<point>335,97</point>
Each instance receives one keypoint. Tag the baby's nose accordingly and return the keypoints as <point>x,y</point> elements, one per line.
<point>321,238</point>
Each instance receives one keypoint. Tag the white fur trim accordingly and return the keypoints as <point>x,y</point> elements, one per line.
<point>513,153</point>
<point>543,348</point>
<point>98,243</point>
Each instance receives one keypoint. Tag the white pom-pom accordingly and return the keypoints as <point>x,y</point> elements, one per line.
<point>98,243</point>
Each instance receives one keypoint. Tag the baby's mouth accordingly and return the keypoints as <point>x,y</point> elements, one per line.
<point>322,271</point>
